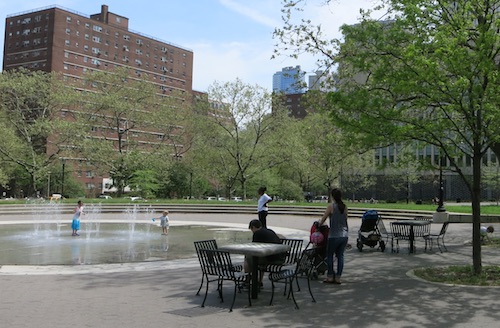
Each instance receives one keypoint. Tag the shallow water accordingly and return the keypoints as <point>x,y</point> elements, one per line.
<point>98,243</point>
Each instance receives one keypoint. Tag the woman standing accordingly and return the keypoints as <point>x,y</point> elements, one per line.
<point>262,208</point>
<point>338,236</point>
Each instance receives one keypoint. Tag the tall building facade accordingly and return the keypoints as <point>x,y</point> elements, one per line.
<point>60,40</point>
<point>55,39</point>
<point>290,80</point>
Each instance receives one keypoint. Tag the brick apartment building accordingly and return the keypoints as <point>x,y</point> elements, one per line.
<point>61,40</point>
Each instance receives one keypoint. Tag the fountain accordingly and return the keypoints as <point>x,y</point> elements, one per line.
<point>47,240</point>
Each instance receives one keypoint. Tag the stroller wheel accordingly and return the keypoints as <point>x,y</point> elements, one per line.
<point>382,246</point>
<point>360,245</point>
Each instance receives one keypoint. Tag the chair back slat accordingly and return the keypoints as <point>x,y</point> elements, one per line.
<point>305,263</point>
<point>204,244</point>
<point>400,231</point>
<point>422,230</point>
<point>295,249</point>
<point>217,263</point>
<point>381,227</point>
<point>444,228</point>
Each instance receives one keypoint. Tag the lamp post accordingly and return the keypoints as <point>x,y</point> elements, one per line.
<point>48,186</point>
<point>190,185</point>
<point>440,207</point>
<point>62,178</point>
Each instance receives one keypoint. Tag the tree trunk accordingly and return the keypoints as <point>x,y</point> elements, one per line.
<point>476,212</point>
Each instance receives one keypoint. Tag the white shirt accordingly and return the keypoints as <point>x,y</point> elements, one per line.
<point>262,203</point>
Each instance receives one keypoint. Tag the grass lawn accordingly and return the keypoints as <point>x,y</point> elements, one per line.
<point>461,275</point>
<point>464,274</point>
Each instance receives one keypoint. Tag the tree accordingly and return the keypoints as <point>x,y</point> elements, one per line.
<point>429,72</point>
<point>126,122</point>
<point>34,135</point>
<point>145,182</point>
<point>330,156</point>
<point>237,120</point>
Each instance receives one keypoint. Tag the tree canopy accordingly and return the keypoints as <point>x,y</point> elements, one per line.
<point>428,71</point>
<point>31,104</point>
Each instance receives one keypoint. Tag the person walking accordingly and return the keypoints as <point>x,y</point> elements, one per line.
<point>337,237</point>
<point>262,208</point>
<point>75,224</point>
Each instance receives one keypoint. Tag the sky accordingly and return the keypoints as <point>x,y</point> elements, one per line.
<point>229,38</point>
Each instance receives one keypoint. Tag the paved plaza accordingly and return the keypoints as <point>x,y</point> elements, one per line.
<point>378,290</point>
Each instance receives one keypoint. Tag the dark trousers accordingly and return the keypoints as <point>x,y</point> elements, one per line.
<point>263,218</point>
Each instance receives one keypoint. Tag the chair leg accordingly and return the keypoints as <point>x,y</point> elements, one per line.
<point>206,293</point>
<point>249,292</point>
<point>429,240</point>
<point>442,243</point>
<point>219,289</point>
<point>201,285</point>
<point>293,296</point>
<point>310,291</point>
<point>234,295</point>
<point>298,286</point>
<point>284,289</point>
<point>272,293</point>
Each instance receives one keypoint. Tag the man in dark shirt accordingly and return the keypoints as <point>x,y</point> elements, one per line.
<point>264,235</point>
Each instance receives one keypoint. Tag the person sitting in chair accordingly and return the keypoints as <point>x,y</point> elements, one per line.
<point>264,235</point>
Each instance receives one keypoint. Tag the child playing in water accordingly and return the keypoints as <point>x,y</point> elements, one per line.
<point>75,224</point>
<point>164,222</point>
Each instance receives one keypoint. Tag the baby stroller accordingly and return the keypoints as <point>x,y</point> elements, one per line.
<point>368,233</point>
<point>318,240</point>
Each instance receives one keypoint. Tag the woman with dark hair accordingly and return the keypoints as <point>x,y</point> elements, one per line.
<point>338,236</point>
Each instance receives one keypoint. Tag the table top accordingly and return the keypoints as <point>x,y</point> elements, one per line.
<point>256,249</point>
<point>412,222</point>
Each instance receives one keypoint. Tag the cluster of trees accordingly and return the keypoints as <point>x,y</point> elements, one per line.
<point>427,71</point>
<point>53,128</point>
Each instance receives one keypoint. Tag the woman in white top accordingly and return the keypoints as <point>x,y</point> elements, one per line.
<point>262,208</point>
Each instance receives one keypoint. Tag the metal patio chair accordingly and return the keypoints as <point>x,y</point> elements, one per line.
<point>209,244</point>
<point>302,270</point>
<point>217,266</point>
<point>438,237</point>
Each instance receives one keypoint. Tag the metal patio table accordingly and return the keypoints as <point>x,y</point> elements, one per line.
<point>256,250</point>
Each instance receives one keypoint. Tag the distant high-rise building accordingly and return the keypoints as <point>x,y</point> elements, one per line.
<point>290,80</point>
<point>322,81</point>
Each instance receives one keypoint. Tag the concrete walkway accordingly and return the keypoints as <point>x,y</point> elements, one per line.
<point>378,290</point>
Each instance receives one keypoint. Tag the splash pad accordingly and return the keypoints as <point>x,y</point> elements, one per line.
<point>132,237</point>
